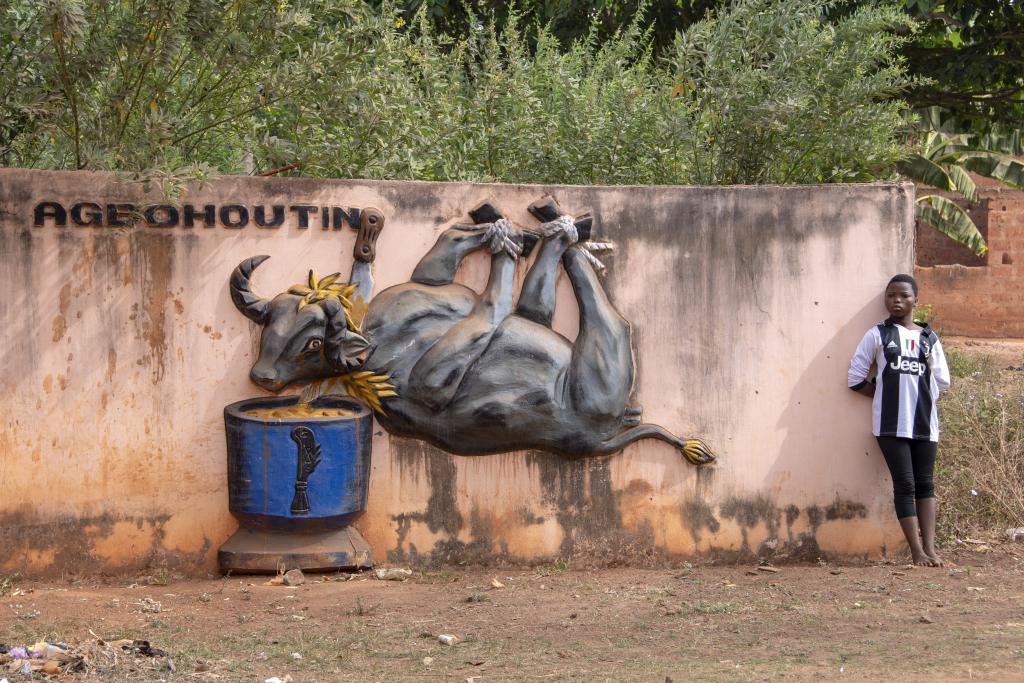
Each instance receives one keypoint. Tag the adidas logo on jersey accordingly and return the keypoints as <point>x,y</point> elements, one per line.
<point>907,366</point>
<point>892,347</point>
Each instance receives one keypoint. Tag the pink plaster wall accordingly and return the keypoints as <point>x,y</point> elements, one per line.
<point>121,347</point>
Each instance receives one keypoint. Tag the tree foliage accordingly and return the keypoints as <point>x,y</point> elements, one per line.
<point>970,57</point>
<point>764,91</point>
<point>156,84</point>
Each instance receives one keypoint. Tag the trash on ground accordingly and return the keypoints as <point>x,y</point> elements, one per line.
<point>1016,534</point>
<point>392,573</point>
<point>496,584</point>
<point>447,639</point>
<point>275,679</point>
<point>55,658</point>
<point>769,569</point>
<point>150,605</point>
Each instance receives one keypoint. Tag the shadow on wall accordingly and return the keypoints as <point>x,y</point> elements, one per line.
<point>835,474</point>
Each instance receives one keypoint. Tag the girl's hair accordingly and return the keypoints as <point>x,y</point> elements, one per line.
<point>903,277</point>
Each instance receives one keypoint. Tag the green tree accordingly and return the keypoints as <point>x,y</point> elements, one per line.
<point>175,86</point>
<point>763,91</point>
<point>773,92</point>
<point>969,55</point>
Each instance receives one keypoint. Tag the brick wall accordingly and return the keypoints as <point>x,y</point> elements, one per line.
<point>971,295</point>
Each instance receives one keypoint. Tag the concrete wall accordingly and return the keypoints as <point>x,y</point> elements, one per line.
<point>971,295</point>
<point>121,346</point>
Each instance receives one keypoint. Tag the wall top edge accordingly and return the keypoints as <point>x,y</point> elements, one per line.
<point>107,176</point>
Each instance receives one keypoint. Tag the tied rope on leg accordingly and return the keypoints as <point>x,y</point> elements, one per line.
<point>498,239</point>
<point>588,249</point>
<point>564,225</point>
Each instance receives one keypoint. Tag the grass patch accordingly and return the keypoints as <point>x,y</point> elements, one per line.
<point>702,607</point>
<point>556,567</point>
<point>966,365</point>
<point>979,474</point>
<point>7,582</point>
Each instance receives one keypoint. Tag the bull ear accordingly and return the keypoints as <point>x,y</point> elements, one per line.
<point>252,307</point>
<point>342,346</point>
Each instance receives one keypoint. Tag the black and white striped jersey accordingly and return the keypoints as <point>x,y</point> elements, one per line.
<point>912,370</point>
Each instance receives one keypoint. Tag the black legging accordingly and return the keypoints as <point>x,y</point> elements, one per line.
<point>911,463</point>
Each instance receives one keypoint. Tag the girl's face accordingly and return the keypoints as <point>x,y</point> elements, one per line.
<point>900,299</point>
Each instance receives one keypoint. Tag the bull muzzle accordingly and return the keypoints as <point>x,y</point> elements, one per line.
<point>267,378</point>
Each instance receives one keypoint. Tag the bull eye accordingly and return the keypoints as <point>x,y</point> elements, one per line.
<point>314,344</point>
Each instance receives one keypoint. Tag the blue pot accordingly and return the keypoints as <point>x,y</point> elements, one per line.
<point>308,474</point>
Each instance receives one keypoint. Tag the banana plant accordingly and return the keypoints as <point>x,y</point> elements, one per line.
<point>944,163</point>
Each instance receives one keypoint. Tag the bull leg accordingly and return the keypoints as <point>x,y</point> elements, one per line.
<point>436,377</point>
<point>537,298</point>
<point>438,267</point>
<point>601,370</point>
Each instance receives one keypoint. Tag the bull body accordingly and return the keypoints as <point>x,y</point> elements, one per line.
<point>472,374</point>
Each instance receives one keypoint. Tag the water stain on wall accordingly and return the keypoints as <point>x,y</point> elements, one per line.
<point>89,544</point>
<point>153,256</point>
<point>580,496</point>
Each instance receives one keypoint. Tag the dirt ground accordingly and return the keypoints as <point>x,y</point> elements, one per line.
<point>883,621</point>
<point>737,623</point>
<point>1002,352</point>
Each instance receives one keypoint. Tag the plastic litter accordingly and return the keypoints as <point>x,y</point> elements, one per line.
<point>447,639</point>
<point>392,574</point>
<point>54,658</point>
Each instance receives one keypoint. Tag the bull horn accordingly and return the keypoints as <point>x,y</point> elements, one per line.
<point>252,307</point>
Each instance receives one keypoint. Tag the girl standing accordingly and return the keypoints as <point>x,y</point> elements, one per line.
<point>912,371</point>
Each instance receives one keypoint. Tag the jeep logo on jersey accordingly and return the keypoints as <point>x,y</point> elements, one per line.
<point>907,366</point>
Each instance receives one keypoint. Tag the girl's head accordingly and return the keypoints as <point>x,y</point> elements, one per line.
<point>901,295</point>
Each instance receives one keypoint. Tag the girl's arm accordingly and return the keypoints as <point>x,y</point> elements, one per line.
<point>940,369</point>
<point>860,364</point>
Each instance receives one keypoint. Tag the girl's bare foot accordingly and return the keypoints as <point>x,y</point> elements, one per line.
<point>923,560</point>
<point>936,560</point>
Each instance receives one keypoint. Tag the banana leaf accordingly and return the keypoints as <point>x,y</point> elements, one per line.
<point>964,184</point>
<point>952,221</point>
<point>1003,168</point>
<point>917,167</point>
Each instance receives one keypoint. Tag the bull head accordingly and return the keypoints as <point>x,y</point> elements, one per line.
<point>299,341</point>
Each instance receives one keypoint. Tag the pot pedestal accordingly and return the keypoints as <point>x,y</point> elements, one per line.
<point>255,551</point>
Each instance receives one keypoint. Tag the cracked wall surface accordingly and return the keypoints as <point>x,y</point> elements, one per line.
<point>121,347</point>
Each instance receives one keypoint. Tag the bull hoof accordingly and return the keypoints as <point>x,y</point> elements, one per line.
<point>697,452</point>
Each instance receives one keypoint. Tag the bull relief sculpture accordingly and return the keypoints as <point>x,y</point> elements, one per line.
<point>470,373</point>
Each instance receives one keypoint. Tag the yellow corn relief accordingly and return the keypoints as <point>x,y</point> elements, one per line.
<point>365,386</point>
